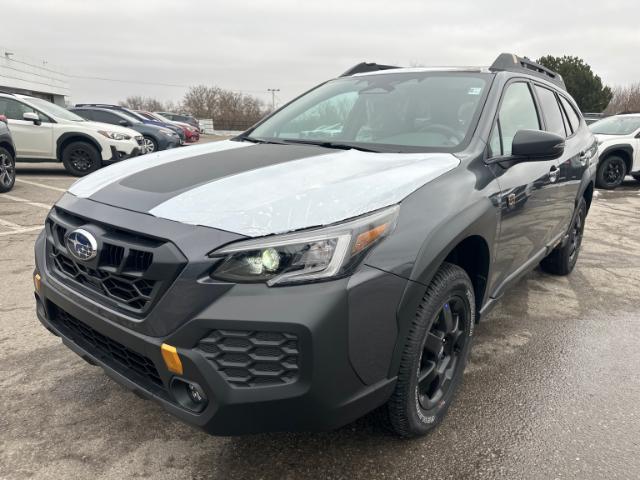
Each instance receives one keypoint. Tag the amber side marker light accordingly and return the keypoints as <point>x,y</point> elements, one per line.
<point>367,238</point>
<point>171,358</point>
<point>36,282</point>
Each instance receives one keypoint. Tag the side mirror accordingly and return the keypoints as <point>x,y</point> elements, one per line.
<point>31,117</point>
<point>532,145</point>
<point>124,123</point>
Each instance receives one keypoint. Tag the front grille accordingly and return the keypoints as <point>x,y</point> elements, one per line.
<point>122,359</point>
<point>125,274</point>
<point>253,358</point>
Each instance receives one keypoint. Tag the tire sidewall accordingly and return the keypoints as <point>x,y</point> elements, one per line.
<point>420,420</point>
<point>602,183</point>
<point>7,188</point>
<point>93,152</point>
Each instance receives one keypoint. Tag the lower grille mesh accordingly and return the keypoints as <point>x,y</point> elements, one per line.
<point>116,355</point>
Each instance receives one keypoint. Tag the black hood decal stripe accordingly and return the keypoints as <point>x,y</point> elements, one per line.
<point>144,190</point>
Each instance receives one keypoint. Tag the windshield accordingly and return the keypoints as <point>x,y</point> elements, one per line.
<point>129,118</point>
<point>616,125</point>
<point>409,111</point>
<point>55,110</point>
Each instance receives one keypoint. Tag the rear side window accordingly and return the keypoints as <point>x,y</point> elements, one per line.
<point>574,119</point>
<point>104,117</point>
<point>517,112</point>
<point>551,111</point>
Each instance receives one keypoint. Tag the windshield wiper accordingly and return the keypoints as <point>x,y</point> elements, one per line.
<point>336,145</point>
<point>258,140</point>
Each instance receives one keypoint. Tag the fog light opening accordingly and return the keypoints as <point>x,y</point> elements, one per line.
<point>189,394</point>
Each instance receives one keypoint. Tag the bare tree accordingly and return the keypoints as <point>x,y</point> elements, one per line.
<point>229,110</point>
<point>625,99</point>
<point>138,102</point>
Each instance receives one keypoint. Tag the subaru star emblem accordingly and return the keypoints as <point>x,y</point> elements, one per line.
<point>82,245</point>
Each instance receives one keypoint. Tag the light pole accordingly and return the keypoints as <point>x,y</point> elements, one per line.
<point>273,97</point>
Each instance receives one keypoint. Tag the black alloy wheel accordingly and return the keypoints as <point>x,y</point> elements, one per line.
<point>611,172</point>
<point>434,355</point>
<point>81,158</point>
<point>441,352</point>
<point>576,234</point>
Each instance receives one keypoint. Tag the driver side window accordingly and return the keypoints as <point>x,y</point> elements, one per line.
<point>517,112</point>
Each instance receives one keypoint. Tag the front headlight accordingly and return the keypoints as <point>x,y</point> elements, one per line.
<point>114,135</point>
<point>308,256</point>
<point>169,133</point>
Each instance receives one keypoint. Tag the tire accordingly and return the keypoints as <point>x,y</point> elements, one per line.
<point>150,143</point>
<point>81,158</point>
<point>611,172</point>
<point>416,407</point>
<point>562,259</point>
<point>7,170</point>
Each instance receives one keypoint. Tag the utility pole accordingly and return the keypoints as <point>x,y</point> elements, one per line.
<point>273,97</point>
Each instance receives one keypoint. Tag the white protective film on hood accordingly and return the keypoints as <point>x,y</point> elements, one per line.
<point>87,186</point>
<point>304,193</point>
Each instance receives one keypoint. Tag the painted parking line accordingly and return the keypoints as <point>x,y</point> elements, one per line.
<point>41,185</point>
<point>24,200</point>
<point>11,225</point>
<point>21,230</point>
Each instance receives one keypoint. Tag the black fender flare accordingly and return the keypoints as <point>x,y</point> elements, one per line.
<point>623,147</point>
<point>9,147</point>
<point>73,136</point>
<point>480,219</point>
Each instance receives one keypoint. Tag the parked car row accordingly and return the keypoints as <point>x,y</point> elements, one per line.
<point>84,138</point>
<point>44,131</point>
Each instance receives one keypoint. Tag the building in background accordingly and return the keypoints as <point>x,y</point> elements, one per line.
<point>25,75</point>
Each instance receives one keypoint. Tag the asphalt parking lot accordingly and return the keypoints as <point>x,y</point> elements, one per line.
<point>552,390</point>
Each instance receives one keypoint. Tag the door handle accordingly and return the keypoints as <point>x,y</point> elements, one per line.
<point>553,174</point>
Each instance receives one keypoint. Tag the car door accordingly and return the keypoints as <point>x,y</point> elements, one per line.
<point>572,163</point>
<point>527,209</point>
<point>32,139</point>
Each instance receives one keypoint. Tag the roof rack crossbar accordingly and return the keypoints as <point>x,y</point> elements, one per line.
<point>512,63</point>
<point>365,67</point>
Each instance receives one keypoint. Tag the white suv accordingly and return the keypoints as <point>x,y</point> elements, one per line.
<point>618,149</point>
<point>44,131</point>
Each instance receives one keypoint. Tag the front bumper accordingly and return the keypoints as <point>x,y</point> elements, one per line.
<point>335,339</point>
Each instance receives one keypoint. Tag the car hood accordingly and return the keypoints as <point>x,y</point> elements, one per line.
<point>95,126</point>
<point>261,189</point>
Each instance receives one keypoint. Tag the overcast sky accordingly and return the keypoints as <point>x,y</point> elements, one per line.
<point>293,45</point>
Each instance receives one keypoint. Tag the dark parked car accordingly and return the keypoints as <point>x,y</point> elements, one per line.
<point>7,157</point>
<point>329,261</point>
<point>191,133</point>
<point>182,117</point>
<point>137,116</point>
<point>155,138</point>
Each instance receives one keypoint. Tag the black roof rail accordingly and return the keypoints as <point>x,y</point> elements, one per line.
<point>509,62</point>
<point>103,105</point>
<point>6,92</point>
<point>365,67</point>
